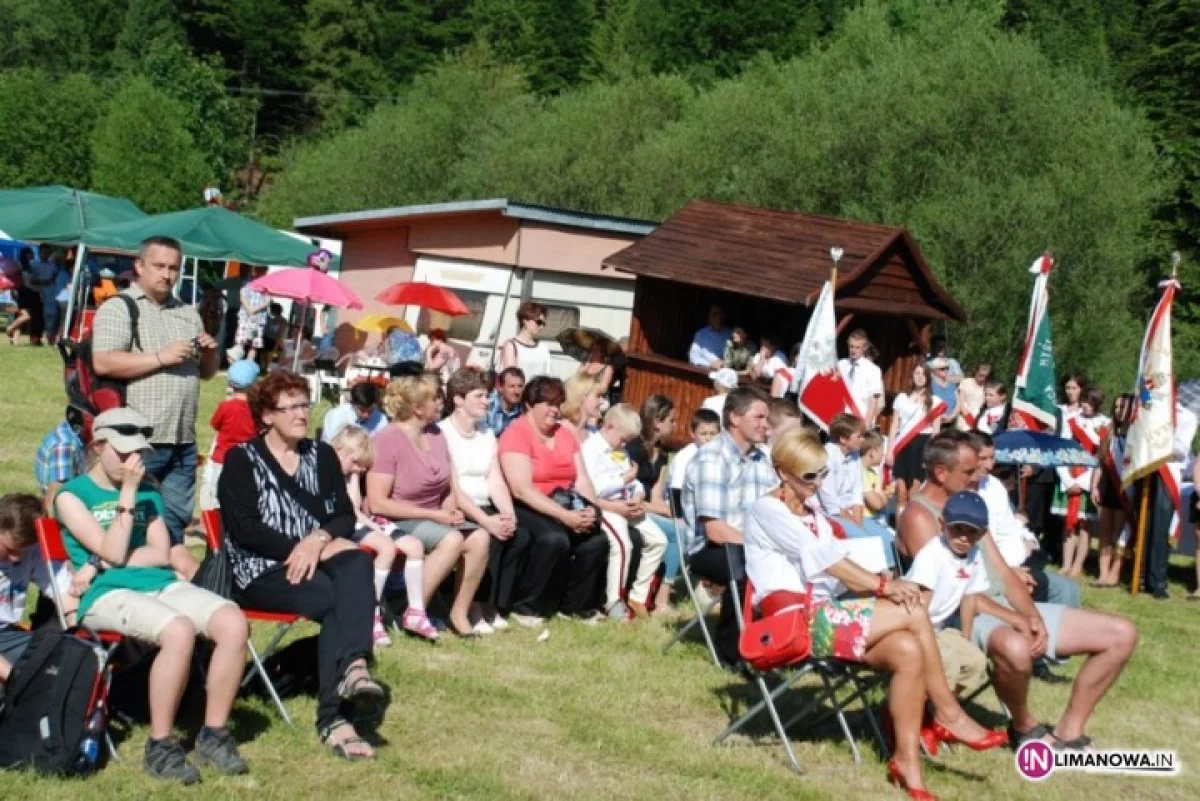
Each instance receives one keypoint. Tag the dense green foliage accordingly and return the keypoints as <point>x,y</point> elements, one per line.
<point>991,128</point>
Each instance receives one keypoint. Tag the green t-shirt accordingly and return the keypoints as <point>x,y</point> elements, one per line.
<point>102,504</point>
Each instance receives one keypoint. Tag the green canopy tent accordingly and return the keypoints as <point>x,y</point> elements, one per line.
<point>60,214</point>
<point>211,233</point>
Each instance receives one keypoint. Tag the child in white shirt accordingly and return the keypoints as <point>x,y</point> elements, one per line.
<point>706,425</point>
<point>622,501</point>
<point>951,572</point>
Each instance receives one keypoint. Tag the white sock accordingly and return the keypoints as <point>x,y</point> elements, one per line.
<point>413,569</point>
<point>381,577</point>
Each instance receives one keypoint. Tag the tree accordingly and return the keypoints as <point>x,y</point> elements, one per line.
<point>549,39</point>
<point>43,34</point>
<point>51,146</point>
<point>141,149</point>
<point>148,24</point>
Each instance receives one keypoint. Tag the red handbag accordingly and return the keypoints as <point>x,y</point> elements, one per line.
<point>777,640</point>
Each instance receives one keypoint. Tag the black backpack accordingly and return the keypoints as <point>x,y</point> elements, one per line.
<point>87,392</point>
<point>56,705</point>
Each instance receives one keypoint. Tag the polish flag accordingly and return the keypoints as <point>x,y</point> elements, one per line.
<point>823,393</point>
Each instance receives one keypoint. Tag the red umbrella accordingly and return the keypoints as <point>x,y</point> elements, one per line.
<point>426,296</point>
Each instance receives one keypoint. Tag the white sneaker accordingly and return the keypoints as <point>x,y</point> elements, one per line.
<point>483,628</point>
<point>529,621</point>
<point>498,623</point>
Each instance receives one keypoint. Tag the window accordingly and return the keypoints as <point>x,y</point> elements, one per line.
<point>466,327</point>
<point>558,319</point>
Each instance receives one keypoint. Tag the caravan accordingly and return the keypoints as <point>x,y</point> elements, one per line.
<point>493,293</point>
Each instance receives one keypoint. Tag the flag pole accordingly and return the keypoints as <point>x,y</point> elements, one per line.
<point>1140,543</point>
<point>836,255</point>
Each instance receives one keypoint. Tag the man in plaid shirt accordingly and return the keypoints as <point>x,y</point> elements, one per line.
<point>58,460</point>
<point>726,476</point>
<point>163,362</point>
<point>504,406</point>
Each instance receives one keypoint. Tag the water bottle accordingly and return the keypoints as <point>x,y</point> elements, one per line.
<point>89,746</point>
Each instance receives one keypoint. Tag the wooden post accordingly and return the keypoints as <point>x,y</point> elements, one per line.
<point>1139,544</point>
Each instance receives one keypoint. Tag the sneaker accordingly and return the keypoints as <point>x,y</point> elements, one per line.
<point>500,624</point>
<point>379,633</point>
<point>482,628</point>
<point>166,759</point>
<point>529,621</point>
<point>618,612</point>
<point>217,747</point>
<point>593,618</point>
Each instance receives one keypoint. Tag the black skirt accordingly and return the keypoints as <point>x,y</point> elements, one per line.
<point>909,465</point>
<point>1110,495</point>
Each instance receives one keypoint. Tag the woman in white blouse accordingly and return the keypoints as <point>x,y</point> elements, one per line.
<point>791,546</point>
<point>483,496</point>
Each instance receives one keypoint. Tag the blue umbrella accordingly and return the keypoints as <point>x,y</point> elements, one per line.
<point>1021,446</point>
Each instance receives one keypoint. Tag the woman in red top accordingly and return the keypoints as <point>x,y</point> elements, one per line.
<point>555,503</point>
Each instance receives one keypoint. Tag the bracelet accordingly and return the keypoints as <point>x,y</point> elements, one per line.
<point>882,588</point>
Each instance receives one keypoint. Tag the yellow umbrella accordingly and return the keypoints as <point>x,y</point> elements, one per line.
<point>381,323</point>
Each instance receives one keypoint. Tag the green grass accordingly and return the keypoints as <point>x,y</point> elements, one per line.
<point>601,713</point>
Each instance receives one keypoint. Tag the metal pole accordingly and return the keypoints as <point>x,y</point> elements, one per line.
<point>75,279</point>
<point>1140,542</point>
<point>299,335</point>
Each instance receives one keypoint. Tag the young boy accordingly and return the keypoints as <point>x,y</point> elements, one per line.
<point>841,493</point>
<point>234,424</point>
<point>60,456</point>
<point>875,495</point>
<point>782,417</point>
<point>705,426</point>
<point>951,572</point>
<point>723,381</point>
<point>20,564</point>
<point>622,500</point>
<point>995,401</point>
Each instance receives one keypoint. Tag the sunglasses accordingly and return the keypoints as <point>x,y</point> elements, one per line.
<point>128,430</point>
<point>819,475</point>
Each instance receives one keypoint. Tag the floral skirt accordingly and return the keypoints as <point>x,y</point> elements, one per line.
<point>839,629</point>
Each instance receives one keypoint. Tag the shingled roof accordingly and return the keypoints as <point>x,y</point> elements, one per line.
<point>784,256</point>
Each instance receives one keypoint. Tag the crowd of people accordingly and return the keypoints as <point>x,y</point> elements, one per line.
<point>476,502</point>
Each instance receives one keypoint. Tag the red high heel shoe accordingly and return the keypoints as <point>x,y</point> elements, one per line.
<point>993,738</point>
<point>929,740</point>
<point>898,779</point>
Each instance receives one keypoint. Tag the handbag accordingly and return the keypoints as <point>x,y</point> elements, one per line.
<point>215,573</point>
<point>777,640</point>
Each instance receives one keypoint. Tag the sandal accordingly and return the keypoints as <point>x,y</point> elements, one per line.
<point>1017,738</point>
<point>341,748</point>
<point>363,694</point>
<point>417,623</point>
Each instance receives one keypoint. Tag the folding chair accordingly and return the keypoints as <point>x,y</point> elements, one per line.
<point>835,675</point>
<point>50,543</point>
<point>675,499</point>
<point>284,621</point>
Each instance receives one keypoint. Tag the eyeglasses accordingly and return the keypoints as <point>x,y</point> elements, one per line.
<point>129,430</point>
<point>541,322</point>
<point>820,475</point>
<point>295,407</point>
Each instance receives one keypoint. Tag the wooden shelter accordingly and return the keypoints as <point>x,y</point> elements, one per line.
<point>765,268</point>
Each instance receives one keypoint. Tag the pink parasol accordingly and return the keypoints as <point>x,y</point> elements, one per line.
<point>307,284</point>
<point>425,296</point>
<point>7,283</point>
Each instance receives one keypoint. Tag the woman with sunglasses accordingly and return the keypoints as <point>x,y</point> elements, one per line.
<point>119,549</point>
<point>288,523</point>
<point>524,350</point>
<point>792,549</point>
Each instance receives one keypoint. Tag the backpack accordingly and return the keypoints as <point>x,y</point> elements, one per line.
<point>56,705</point>
<point>87,392</point>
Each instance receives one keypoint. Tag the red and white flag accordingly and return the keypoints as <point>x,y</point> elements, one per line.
<point>822,390</point>
<point>1148,445</point>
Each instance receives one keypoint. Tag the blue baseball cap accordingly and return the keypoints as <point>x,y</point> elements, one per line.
<point>242,374</point>
<point>966,508</point>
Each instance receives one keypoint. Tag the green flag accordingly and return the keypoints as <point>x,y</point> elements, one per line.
<point>1036,401</point>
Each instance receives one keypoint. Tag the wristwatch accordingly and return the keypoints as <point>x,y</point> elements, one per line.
<point>96,562</point>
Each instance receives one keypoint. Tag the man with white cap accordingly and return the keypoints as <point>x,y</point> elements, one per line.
<point>723,380</point>
<point>119,547</point>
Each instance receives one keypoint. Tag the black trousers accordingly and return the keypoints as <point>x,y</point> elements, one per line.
<point>505,560</point>
<point>562,569</point>
<point>712,564</point>
<point>341,597</point>
<point>1158,538</point>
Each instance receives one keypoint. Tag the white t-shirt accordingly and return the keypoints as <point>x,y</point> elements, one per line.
<point>606,467</point>
<point>950,578</point>
<point>787,552</point>
<point>770,367</point>
<point>991,417</point>
<point>843,487</point>
<point>909,410</point>
<point>534,360</point>
<point>716,403</point>
<point>679,465</point>
<point>866,383</point>
<point>472,458</point>
<point>1012,538</point>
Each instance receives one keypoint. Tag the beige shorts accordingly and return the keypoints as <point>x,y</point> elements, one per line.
<point>964,664</point>
<point>143,615</point>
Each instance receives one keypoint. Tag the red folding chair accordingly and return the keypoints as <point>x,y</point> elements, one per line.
<point>214,534</point>
<point>50,543</point>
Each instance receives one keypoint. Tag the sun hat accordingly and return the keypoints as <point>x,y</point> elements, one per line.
<point>966,508</point>
<point>124,429</point>
<point>724,377</point>
<point>939,363</point>
<point>242,374</point>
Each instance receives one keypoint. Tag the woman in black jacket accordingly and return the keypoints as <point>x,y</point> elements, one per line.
<point>288,521</point>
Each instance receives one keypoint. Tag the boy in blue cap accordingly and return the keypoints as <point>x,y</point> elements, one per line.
<point>234,424</point>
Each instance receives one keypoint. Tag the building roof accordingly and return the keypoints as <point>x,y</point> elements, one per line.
<point>335,225</point>
<point>785,256</point>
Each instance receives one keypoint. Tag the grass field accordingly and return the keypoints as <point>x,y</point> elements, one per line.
<point>601,713</point>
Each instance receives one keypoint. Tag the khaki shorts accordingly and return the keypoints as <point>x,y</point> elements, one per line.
<point>143,615</point>
<point>964,664</point>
